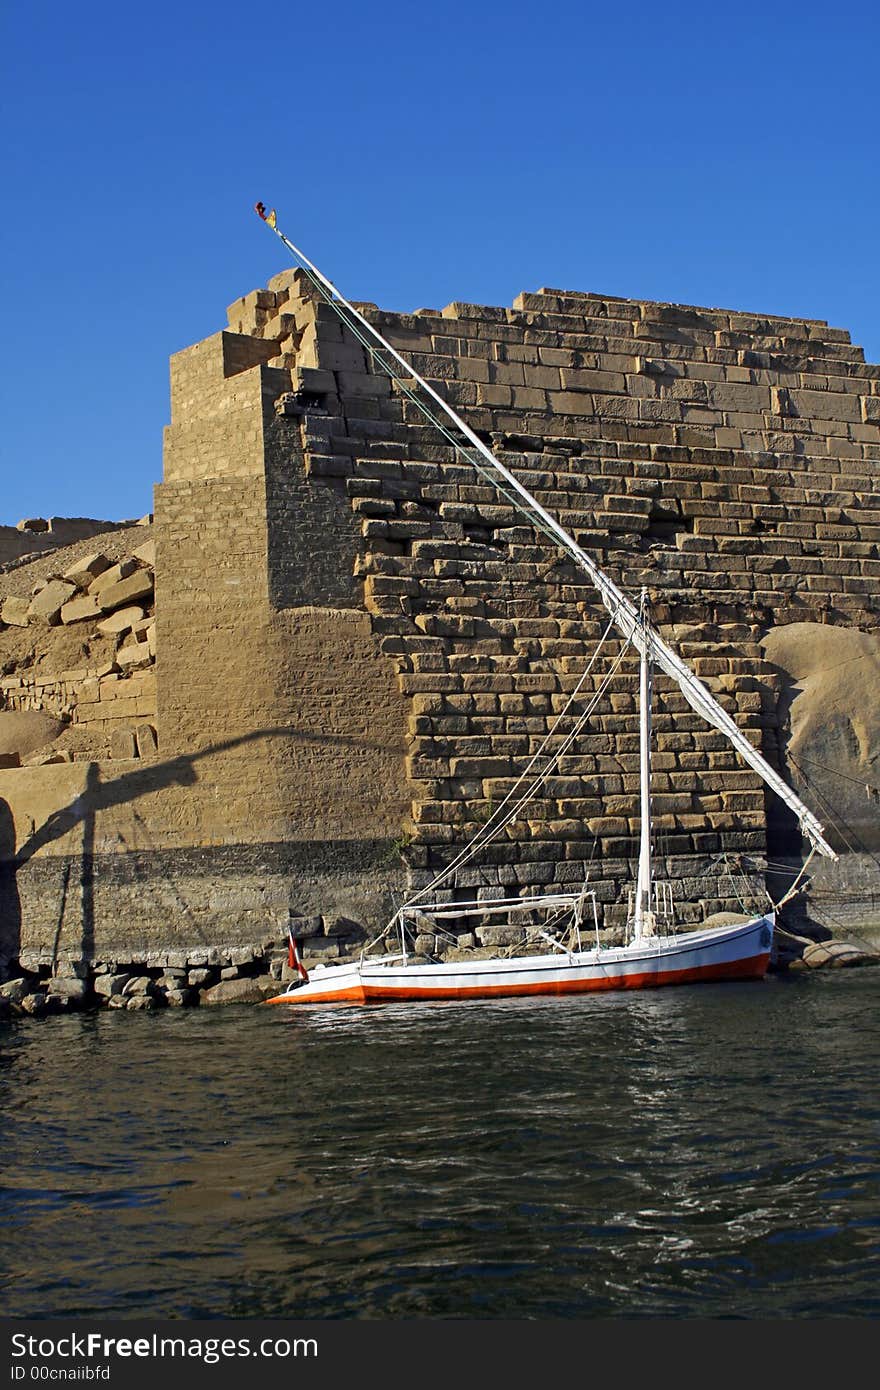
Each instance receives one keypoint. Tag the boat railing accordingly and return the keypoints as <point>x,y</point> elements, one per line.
<point>490,907</point>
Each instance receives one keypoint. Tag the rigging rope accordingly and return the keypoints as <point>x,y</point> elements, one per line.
<point>489,832</point>
<point>622,610</point>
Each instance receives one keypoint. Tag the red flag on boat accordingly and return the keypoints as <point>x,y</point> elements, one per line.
<point>294,959</point>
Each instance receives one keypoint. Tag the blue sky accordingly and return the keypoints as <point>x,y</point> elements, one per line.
<point>719,154</point>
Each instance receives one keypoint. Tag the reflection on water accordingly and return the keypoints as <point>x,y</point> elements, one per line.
<point>702,1151</point>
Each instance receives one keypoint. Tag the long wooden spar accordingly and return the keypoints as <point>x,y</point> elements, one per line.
<point>623,612</point>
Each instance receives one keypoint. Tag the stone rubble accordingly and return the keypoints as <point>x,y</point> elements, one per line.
<point>108,709</point>
<point>375,641</point>
<point>251,975</point>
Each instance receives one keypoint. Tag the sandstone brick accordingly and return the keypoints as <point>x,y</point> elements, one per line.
<point>145,739</point>
<point>125,592</point>
<point>123,744</point>
<point>86,568</point>
<point>121,620</point>
<point>78,609</point>
<point>112,575</point>
<point>47,604</point>
<point>133,653</point>
<point>146,553</point>
<point>15,611</point>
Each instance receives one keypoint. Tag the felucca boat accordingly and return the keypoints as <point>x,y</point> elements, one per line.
<point>561,952</point>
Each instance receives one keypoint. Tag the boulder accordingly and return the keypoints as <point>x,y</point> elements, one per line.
<point>147,744</point>
<point>180,998</point>
<point>85,569</point>
<point>836,954</point>
<point>113,575</point>
<point>27,731</point>
<point>146,553</point>
<point>199,976</point>
<point>139,984</point>
<point>301,927</point>
<point>241,955</point>
<point>48,603</point>
<point>127,591</point>
<point>15,611</point>
<point>499,936</point>
<point>35,1005</point>
<point>40,1004</point>
<point>77,610</point>
<point>15,990</point>
<point>141,1001</point>
<point>123,744</point>
<point>121,621</point>
<point>68,987</point>
<point>171,979</point>
<point>250,991</point>
<point>134,654</point>
<point>107,985</point>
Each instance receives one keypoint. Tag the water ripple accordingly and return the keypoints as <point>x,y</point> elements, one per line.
<point>700,1152</point>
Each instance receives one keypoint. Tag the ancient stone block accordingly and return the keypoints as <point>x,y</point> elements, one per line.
<point>145,736</point>
<point>133,653</point>
<point>15,611</point>
<point>123,744</point>
<point>106,985</point>
<point>126,591</point>
<point>86,568</point>
<point>112,575</point>
<point>69,987</point>
<point>120,621</point>
<point>47,604</point>
<point>78,609</point>
<point>146,553</point>
<point>249,991</point>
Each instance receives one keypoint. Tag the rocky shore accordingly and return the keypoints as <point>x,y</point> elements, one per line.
<point>209,976</point>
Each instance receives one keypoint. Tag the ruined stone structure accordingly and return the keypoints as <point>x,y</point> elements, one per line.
<point>359,642</point>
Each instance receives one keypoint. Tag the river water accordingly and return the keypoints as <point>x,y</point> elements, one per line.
<point>702,1151</point>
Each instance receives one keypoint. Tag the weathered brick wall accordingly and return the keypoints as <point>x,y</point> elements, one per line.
<point>725,461</point>
<point>360,643</point>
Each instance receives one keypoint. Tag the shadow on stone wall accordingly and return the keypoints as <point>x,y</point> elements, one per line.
<point>10,904</point>
<point>96,797</point>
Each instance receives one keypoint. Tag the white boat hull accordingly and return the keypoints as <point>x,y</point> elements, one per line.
<point>740,952</point>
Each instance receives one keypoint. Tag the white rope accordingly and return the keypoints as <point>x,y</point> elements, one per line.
<point>489,832</point>
<point>795,887</point>
<point>623,611</point>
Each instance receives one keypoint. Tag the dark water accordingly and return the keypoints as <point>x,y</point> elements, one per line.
<point>702,1151</point>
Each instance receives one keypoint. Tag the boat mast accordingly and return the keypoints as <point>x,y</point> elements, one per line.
<point>644,919</point>
<point>621,609</point>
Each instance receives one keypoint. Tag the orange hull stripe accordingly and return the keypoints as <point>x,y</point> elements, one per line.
<point>753,968</point>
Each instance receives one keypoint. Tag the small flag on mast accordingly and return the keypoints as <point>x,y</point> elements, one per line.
<point>294,959</point>
<point>260,210</point>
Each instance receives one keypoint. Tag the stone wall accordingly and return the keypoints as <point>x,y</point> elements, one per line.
<point>725,461</point>
<point>38,535</point>
<point>359,643</point>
